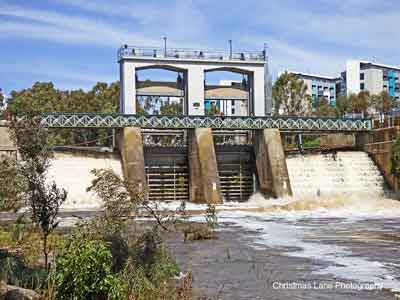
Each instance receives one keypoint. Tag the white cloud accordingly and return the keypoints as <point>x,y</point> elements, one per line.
<point>59,27</point>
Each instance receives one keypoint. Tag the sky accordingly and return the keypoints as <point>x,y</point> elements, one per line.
<point>74,43</point>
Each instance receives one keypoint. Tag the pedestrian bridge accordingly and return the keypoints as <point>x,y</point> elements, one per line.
<point>290,124</point>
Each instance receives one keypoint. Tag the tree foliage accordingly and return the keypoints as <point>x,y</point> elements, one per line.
<point>2,99</point>
<point>83,271</point>
<point>43,97</point>
<point>343,106</point>
<point>324,109</point>
<point>36,153</point>
<point>382,103</point>
<point>290,96</point>
<point>12,185</point>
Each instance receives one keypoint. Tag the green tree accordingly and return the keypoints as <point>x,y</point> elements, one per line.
<point>324,109</point>
<point>43,97</point>
<point>290,96</point>
<point>2,99</point>
<point>360,103</point>
<point>343,106</point>
<point>36,154</point>
<point>83,271</point>
<point>382,103</point>
<point>12,185</point>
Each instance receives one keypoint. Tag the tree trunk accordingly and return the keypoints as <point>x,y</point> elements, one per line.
<point>45,252</point>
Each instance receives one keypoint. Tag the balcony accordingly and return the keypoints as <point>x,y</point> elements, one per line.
<point>193,54</point>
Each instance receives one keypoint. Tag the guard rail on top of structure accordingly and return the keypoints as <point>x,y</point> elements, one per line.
<point>82,120</point>
<point>184,53</point>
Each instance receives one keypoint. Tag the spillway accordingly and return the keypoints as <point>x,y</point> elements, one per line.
<point>73,173</point>
<point>340,174</point>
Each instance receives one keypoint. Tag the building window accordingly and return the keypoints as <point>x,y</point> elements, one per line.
<point>362,86</point>
<point>233,111</point>
<point>233,102</point>
<point>361,76</point>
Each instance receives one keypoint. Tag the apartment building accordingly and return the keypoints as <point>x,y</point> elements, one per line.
<point>319,86</point>
<point>368,76</point>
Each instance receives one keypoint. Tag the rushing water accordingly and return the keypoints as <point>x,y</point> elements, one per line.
<point>338,218</point>
<point>339,223</point>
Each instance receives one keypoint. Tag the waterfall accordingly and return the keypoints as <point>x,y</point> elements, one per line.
<point>346,173</point>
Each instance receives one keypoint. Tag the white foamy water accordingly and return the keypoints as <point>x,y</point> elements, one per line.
<point>324,175</point>
<point>335,201</point>
<point>72,172</point>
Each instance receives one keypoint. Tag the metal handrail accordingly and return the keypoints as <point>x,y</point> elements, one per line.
<point>187,53</point>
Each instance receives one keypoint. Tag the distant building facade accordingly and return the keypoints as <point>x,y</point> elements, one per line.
<point>319,86</point>
<point>372,77</point>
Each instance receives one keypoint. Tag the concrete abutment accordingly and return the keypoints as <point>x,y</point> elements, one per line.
<point>273,176</point>
<point>204,185</point>
<point>204,180</point>
<point>130,145</point>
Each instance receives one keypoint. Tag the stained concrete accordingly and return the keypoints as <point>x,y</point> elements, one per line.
<point>131,147</point>
<point>7,146</point>
<point>339,140</point>
<point>204,185</point>
<point>271,165</point>
<point>379,145</point>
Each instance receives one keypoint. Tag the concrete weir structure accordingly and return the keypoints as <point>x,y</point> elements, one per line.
<point>204,184</point>
<point>193,64</point>
<point>272,170</point>
<point>131,148</point>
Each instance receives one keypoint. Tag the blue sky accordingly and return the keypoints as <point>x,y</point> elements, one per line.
<point>74,42</point>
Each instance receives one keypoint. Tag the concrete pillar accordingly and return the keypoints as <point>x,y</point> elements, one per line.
<point>132,154</point>
<point>259,92</point>
<point>204,185</point>
<point>271,165</point>
<point>127,88</point>
<point>195,91</point>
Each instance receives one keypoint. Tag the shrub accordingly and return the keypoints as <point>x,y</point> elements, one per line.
<point>396,158</point>
<point>83,271</point>
<point>14,270</point>
<point>150,270</point>
<point>211,216</point>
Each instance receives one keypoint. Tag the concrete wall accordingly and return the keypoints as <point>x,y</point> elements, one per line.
<point>373,80</point>
<point>7,146</point>
<point>353,77</point>
<point>379,144</point>
<point>131,147</point>
<point>204,184</point>
<point>339,140</point>
<point>272,170</point>
<point>195,90</point>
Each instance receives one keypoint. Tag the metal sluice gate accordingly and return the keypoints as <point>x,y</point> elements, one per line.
<point>167,168</point>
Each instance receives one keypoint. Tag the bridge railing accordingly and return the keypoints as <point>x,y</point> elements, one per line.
<point>185,53</point>
<point>90,120</point>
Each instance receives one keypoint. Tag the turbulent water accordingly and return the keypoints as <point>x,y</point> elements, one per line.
<point>346,173</point>
<point>338,218</point>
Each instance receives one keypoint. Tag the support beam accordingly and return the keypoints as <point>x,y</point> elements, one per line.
<point>204,184</point>
<point>132,154</point>
<point>272,170</point>
<point>127,88</point>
